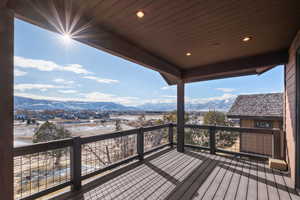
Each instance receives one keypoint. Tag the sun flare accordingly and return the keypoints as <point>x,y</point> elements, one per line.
<point>66,38</point>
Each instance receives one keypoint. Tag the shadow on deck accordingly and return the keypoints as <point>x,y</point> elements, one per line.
<point>190,175</point>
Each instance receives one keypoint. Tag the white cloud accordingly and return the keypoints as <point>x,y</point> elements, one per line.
<point>45,65</point>
<point>156,101</point>
<point>101,80</point>
<point>98,96</point>
<point>226,89</point>
<point>76,68</point>
<point>67,91</point>
<point>168,88</point>
<point>205,100</point>
<point>41,87</point>
<point>169,96</point>
<point>35,96</point>
<point>63,81</point>
<point>18,72</point>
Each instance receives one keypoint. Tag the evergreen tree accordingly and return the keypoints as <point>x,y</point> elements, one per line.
<point>48,132</point>
<point>215,118</point>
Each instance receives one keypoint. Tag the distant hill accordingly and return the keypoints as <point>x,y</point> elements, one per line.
<point>37,104</point>
<point>223,105</point>
<point>22,103</point>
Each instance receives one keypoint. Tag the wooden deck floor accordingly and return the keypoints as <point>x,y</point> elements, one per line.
<point>191,175</point>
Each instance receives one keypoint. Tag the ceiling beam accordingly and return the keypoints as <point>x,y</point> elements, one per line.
<point>3,3</point>
<point>44,14</point>
<point>8,4</point>
<point>223,75</point>
<point>246,65</point>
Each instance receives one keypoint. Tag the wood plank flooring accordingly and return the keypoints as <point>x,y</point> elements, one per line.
<point>191,175</point>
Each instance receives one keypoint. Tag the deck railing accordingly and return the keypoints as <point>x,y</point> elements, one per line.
<point>229,140</point>
<point>43,168</point>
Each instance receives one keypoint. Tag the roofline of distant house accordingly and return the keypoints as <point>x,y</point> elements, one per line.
<point>256,117</point>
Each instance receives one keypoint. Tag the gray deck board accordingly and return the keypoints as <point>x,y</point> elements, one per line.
<point>243,185</point>
<point>262,183</point>
<point>271,185</point>
<point>281,186</point>
<point>202,176</point>
<point>191,175</point>
<point>252,182</point>
<point>220,194</point>
<point>207,182</point>
<point>235,181</point>
<point>292,192</point>
<point>210,193</point>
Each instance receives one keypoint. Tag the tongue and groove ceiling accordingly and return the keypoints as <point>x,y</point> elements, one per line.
<point>212,31</point>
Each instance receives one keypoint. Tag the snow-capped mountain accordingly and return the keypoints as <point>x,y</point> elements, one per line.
<point>23,103</point>
<point>39,104</point>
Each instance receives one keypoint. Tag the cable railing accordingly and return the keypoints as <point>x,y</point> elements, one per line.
<point>44,168</point>
<point>253,142</point>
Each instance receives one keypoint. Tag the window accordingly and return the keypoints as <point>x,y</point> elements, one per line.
<point>263,124</point>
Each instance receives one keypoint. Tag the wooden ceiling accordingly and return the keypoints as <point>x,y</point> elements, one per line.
<point>211,31</point>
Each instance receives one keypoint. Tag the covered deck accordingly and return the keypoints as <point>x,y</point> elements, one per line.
<point>194,174</point>
<point>185,41</point>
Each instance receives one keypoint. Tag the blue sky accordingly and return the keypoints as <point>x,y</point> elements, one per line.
<point>46,67</point>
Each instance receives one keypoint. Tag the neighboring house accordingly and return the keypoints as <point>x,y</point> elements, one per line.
<point>258,111</point>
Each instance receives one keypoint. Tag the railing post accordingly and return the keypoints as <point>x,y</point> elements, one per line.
<point>76,164</point>
<point>171,135</point>
<point>273,145</point>
<point>276,148</point>
<point>212,140</point>
<point>140,144</point>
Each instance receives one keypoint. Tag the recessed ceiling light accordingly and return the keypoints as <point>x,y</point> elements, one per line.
<point>216,44</point>
<point>140,14</point>
<point>188,54</point>
<point>246,39</point>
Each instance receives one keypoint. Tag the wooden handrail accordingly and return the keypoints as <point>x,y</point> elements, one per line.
<point>76,142</point>
<point>75,145</point>
<point>235,129</point>
<point>41,147</point>
<point>106,136</point>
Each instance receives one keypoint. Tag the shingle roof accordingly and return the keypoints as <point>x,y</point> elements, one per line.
<point>257,105</point>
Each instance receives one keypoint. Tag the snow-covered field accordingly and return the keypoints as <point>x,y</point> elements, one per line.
<point>135,117</point>
<point>23,133</point>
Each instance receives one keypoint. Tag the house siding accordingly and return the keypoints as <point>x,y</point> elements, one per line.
<point>290,105</point>
<point>256,143</point>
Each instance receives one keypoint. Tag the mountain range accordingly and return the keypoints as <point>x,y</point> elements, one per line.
<point>222,105</point>
<point>23,103</point>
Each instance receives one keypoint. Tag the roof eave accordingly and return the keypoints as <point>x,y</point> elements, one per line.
<point>255,117</point>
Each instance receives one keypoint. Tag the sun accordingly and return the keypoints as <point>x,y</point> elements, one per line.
<point>66,38</point>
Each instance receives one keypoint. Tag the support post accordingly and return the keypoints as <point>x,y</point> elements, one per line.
<point>273,146</point>
<point>212,140</point>
<point>171,135</point>
<point>140,144</point>
<point>180,116</point>
<point>276,148</point>
<point>76,164</point>
<point>6,102</point>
